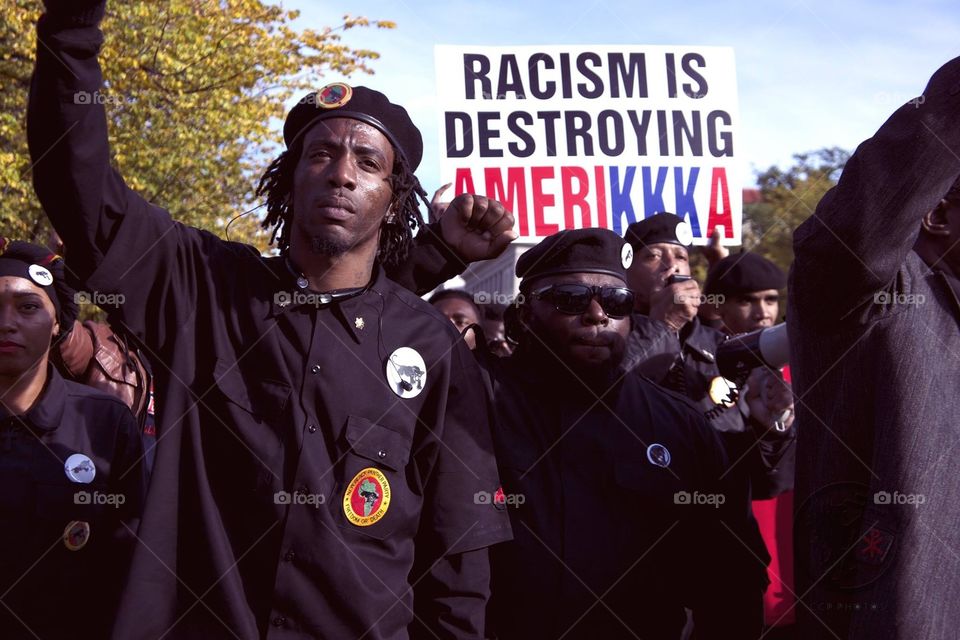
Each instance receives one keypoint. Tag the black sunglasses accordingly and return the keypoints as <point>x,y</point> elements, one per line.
<point>616,302</point>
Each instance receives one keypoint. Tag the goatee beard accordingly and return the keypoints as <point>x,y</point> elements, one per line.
<point>328,247</point>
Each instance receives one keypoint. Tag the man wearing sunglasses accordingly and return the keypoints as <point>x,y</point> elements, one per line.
<point>613,485</point>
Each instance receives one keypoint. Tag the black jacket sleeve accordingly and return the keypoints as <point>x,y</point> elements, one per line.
<point>431,262</point>
<point>863,229</point>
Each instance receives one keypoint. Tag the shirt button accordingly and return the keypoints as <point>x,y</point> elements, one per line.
<point>312,428</point>
<point>382,453</point>
<point>279,621</point>
<point>289,556</point>
<point>315,369</point>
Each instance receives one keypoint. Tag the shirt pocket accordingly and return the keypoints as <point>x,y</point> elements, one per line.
<point>372,495</point>
<point>256,409</point>
<point>264,398</point>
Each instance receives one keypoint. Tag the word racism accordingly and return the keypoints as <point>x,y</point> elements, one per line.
<point>628,145</point>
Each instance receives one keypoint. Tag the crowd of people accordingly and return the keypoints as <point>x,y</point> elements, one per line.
<point>301,446</point>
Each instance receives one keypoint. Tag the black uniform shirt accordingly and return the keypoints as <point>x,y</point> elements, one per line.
<point>269,408</point>
<point>65,543</point>
<point>609,543</point>
<point>765,464</point>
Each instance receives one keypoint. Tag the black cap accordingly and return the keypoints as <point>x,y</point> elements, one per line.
<point>576,251</point>
<point>340,100</point>
<point>44,269</point>
<point>741,273</point>
<point>660,227</point>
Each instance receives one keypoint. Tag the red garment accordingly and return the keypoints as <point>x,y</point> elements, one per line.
<point>775,517</point>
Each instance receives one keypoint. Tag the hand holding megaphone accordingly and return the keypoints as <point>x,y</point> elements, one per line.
<point>769,398</point>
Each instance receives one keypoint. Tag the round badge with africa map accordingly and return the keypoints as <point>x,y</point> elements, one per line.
<point>367,497</point>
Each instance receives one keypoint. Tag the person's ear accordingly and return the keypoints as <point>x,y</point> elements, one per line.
<point>935,221</point>
<point>525,315</point>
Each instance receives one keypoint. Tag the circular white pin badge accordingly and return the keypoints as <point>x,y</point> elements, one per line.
<point>626,255</point>
<point>406,372</point>
<point>684,233</point>
<point>79,468</point>
<point>659,455</point>
<point>40,275</point>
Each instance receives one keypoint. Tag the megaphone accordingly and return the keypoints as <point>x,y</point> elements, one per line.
<point>740,354</point>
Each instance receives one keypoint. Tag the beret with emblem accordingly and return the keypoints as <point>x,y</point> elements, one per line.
<point>660,227</point>
<point>44,269</point>
<point>591,250</point>
<point>340,100</point>
<point>745,272</point>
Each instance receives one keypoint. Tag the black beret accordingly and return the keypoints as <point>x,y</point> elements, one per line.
<point>741,273</point>
<point>660,227</point>
<point>44,269</point>
<point>576,251</point>
<point>340,100</point>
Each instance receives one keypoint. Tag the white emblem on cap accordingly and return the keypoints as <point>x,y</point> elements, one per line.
<point>406,372</point>
<point>626,255</point>
<point>684,233</point>
<point>40,275</point>
<point>79,468</point>
<point>657,454</point>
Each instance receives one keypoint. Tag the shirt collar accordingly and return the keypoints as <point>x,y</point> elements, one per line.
<point>700,339</point>
<point>355,313</point>
<point>47,412</point>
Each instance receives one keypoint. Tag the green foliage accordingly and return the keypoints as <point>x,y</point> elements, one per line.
<point>789,196</point>
<point>193,90</point>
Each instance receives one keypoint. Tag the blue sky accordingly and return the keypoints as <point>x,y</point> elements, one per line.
<point>810,74</point>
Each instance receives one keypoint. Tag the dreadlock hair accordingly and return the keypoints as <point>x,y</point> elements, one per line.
<point>396,232</point>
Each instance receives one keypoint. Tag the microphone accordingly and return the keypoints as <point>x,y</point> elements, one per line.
<point>406,386</point>
<point>740,354</point>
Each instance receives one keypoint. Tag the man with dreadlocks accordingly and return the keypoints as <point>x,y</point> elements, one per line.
<point>322,431</point>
